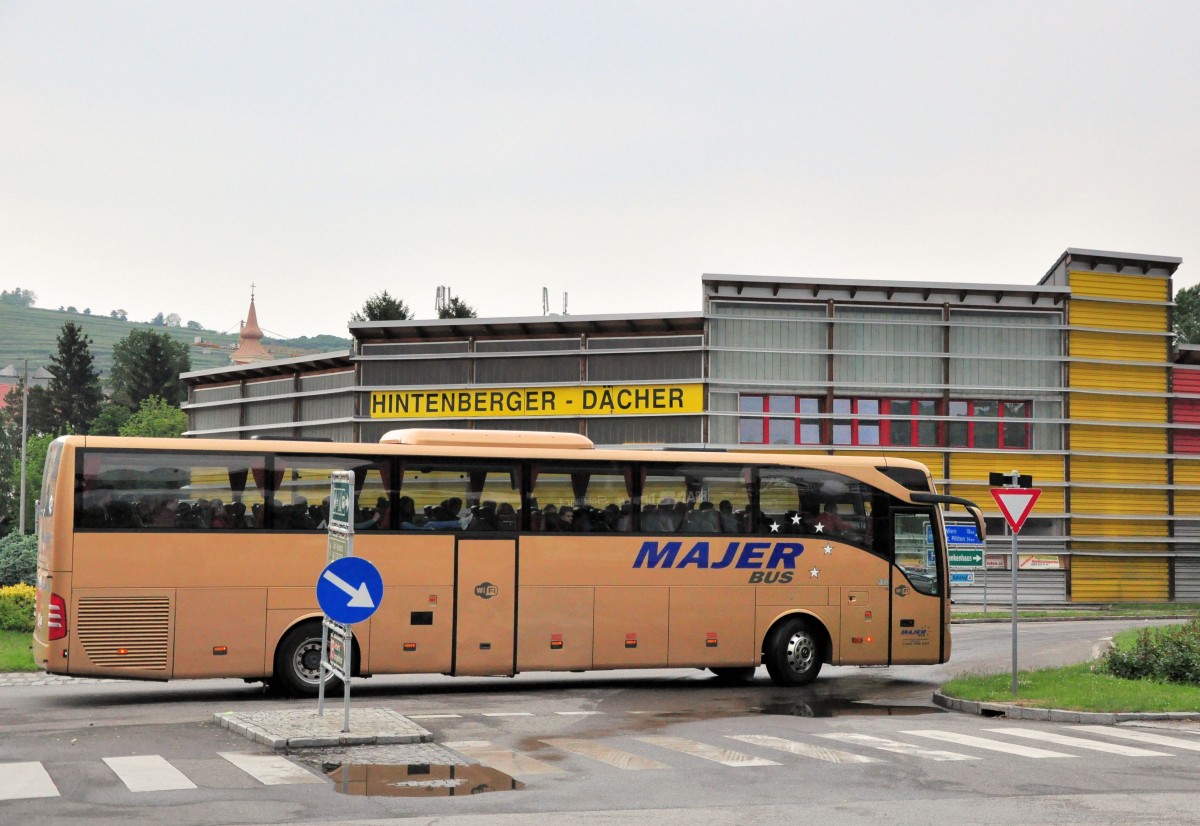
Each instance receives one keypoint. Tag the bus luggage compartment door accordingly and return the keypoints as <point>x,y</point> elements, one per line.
<point>485,607</point>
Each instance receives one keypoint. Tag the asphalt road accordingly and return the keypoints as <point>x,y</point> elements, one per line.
<point>858,746</point>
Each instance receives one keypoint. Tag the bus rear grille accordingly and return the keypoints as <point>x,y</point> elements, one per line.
<point>125,632</point>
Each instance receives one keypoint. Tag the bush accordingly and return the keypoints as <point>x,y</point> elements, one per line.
<point>1170,654</point>
<point>16,608</point>
<point>18,559</point>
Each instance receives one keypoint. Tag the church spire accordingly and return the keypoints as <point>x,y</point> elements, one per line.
<point>250,347</point>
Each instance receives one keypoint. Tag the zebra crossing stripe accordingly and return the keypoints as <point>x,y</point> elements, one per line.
<point>1142,737</point>
<point>22,781</point>
<point>896,747</point>
<point>148,773</point>
<point>270,769</point>
<point>803,749</point>
<point>509,762</point>
<point>506,714</point>
<point>726,757</point>
<point>605,754</point>
<point>433,716</point>
<point>983,743</point>
<point>1078,742</point>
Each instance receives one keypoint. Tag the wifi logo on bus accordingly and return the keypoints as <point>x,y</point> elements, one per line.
<point>486,590</point>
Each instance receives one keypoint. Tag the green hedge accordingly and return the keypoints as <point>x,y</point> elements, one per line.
<point>18,559</point>
<point>1170,654</point>
<point>16,608</point>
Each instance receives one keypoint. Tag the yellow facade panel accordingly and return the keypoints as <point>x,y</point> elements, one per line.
<point>1117,346</point>
<point>1112,285</point>
<point>1106,316</point>
<point>1119,578</point>
<point>1087,406</point>
<point>1119,471</point>
<point>1121,529</point>
<point>1129,500</point>
<point>1052,500</point>
<point>1187,472</point>
<point>1118,439</point>
<point>1044,467</point>
<point>1187,503</point>
<point>1117,377</point>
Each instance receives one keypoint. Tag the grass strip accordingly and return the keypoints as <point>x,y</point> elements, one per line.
<point>1077,688</point>
<point>16,651</point>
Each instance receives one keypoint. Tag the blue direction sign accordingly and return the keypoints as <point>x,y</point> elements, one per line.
<point>349,590</point>
<point>961,534</point>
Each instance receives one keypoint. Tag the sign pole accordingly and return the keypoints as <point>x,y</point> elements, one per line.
<point>1015,565</point>
<point>1016,500</point>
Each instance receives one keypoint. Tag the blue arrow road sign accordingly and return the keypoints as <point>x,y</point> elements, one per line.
<point>349,590</point>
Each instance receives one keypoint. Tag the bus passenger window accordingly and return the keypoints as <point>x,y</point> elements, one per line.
<point>581,498</point>
<point>696,499</point>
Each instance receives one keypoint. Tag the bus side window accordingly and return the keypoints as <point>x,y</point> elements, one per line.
<point>581,498</point>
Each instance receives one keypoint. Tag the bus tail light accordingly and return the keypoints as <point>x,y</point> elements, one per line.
<point>56,620</point>
<point>631,640</point>
<point>710,641</point>
<point>556,642</point>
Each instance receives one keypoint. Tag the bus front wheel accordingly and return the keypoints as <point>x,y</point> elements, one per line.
<point>298,662</point>
<point>793,653</point>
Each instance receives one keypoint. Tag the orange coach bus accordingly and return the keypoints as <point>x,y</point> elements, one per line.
<point>500,552</point>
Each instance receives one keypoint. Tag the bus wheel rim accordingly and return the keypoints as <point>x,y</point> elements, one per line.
<point>801,652</point>
<point>307,661</point>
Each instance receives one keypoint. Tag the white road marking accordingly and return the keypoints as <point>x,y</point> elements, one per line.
<point>433,716</point>
<point>21,781</point>
<point>507,714</point>
<point>509,762</point>
<point>270,769</point>
<point>984,743</point>
<point>803,749</point>
<point>148,773</point>
<point>1141,737</point>
<point>578,713</point>
<point>896,747</point>
<point>1078,742</point>
<point>605,754</point>
<point>726,757</point>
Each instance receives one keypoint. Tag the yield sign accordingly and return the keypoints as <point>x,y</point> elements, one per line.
<point>1015,504</point>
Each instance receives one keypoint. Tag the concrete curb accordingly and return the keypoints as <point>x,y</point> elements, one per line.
<point>304,729</point>
<point>1013,711</point>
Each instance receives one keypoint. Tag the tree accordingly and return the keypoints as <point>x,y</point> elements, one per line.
<point>157,321</point>
<point>145,364</point>
<point>457,308</point>
<point>1187,314</point>
<point>108,423</point>
<point>120,314</point>
<point>35,462</point>
<point>74,394</point>
<point>156,417</point>
<point>18,297</point>
<point>194,325</point>
<point>382,307</point>
<point>172,320</point>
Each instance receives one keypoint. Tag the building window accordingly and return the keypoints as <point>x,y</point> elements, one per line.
<point>988,424</point>
<point>779,420</point>
<point>796,420</point>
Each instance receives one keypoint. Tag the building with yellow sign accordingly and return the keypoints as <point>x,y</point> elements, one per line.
<point>1075,379</point>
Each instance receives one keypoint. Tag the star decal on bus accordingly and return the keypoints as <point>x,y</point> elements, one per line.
<point>795,519</point>
<point>819,527</point>
<point>814,573</point>
<point>774,527</point>
<point>828,549</point>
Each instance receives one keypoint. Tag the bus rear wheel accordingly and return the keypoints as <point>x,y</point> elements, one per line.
<point>298,662</point>
<point>793,653</point>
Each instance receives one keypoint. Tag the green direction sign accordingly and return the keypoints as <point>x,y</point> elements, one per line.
<point>341,497</point>
<point>966,558</point>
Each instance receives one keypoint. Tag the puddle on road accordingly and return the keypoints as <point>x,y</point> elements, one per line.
<point>843,708</point>
<point>418,780</point>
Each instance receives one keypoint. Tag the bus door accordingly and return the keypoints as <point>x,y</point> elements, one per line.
<point>485,607</point>
<point>917,588</point>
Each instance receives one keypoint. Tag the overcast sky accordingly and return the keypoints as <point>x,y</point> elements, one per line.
<point>162,156</point>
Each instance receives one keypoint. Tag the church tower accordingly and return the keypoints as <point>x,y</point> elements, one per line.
<point>250,347</point>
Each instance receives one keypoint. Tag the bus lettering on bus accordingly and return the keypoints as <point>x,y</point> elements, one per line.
<point>654,554</point>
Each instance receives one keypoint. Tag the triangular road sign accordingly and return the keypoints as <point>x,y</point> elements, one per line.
<point>1015,504</point>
